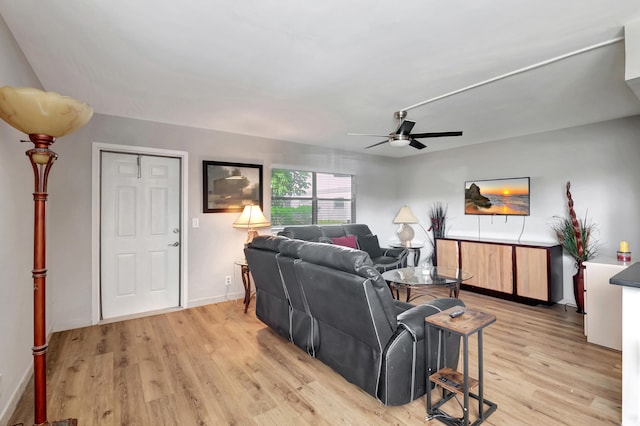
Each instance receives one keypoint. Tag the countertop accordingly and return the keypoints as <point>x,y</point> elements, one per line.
<point>629,277</point>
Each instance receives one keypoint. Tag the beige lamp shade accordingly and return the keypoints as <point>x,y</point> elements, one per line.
<point>251,217</point>
<point>33,111</point>
<point>405,215</point>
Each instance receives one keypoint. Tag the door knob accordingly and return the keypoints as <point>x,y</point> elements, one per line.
<point>176,244</point>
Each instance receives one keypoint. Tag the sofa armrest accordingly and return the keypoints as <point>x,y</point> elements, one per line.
<point>398,253</point>
<point>401,306</point>
<point>400,256</point>
<point>413,319</point>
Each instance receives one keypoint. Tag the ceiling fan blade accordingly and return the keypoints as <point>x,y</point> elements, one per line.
<point>405,127</point>
<point>416,144</point>
<point>376,144</point>
<point>367,134</point>
<point>435,135</point>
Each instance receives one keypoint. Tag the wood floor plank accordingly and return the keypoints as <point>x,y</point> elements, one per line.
<point>215,365</point>
<point>130,408</point>
<point>100,376</point>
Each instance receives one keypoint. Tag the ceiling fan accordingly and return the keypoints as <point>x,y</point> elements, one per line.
<point>403,136</point>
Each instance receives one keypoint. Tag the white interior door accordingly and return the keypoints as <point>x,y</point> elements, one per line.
<point>140,233</point>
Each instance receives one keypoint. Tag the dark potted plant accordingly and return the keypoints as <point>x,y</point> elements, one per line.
<point>576,237</point>
<point>438,225</point>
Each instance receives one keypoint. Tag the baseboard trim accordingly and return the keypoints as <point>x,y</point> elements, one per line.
<point>7,412</point>
<point>218,299</point>
<point>139,315</point>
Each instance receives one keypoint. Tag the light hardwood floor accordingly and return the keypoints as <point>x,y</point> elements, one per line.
<point>214,365</point>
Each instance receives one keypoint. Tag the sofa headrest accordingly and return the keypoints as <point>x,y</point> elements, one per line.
<point>357,229</point>
<point>267,242</point>
<point>336,257</point>
<point>306,233</point>
<point>332,231</point>
<point>291,248</point>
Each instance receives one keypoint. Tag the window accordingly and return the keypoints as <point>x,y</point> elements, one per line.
<point>305,198</point>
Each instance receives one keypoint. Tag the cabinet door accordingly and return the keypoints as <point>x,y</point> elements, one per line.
<point>490,264</point>
<point>447,253</point>
<point>603,305</point>
<point>532,273</point>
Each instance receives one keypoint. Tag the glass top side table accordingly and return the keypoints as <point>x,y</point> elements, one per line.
<point>421,278</point>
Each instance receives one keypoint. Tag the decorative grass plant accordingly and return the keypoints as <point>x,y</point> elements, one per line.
<point>577,238</point>
<point>576,235</point>
<point>438,221</point>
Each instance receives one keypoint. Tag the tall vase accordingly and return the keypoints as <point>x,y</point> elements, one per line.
<point>578,288</point>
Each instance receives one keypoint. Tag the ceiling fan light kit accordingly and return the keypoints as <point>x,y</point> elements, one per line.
<point>399,140</point>
<point>403,136</point>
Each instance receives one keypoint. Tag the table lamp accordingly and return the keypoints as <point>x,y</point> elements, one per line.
<point>251,218</point>
<point>44,116</point>
<point>405,233</point>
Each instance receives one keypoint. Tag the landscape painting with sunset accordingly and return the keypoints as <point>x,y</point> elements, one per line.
<point>497,197</point>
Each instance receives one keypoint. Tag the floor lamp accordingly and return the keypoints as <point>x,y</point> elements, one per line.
<point>44,116</point>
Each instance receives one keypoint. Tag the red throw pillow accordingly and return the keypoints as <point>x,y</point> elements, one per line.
<point>348,241</point>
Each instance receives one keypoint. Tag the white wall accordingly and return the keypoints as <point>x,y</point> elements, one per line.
<point>600,160</point>
<point>16,234</point>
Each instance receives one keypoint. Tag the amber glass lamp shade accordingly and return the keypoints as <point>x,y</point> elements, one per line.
<point>33,111</point>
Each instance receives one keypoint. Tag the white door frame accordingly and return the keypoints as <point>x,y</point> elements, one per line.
<point>97,148</point>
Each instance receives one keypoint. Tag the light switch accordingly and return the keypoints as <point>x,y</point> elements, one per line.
<point>195,222</point>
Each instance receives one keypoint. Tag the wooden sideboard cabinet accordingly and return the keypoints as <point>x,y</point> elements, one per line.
<point>524,272</point>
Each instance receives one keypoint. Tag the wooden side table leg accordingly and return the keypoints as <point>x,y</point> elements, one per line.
<point>456,291</point>
<point>246,281</point>
<point>465,385</point>
<point>393,286</point>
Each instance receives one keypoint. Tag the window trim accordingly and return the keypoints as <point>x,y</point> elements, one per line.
<point>314,194</point>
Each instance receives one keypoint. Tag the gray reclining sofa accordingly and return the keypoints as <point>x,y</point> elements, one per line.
<point>383,258</point>
<point>334,304</point>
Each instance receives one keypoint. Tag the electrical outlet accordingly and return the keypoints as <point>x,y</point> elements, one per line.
<point>227,280</point>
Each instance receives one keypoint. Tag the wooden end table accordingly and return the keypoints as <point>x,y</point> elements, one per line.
<point>246,281</point>
<point>451,381</point>
<point>415,248</point>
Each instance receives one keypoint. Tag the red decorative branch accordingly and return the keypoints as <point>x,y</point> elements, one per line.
<point>576,225</point>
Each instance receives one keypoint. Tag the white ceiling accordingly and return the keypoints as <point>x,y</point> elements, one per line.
<point>311,71</point>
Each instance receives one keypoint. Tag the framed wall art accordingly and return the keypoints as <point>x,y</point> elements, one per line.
<point>228,187</point>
